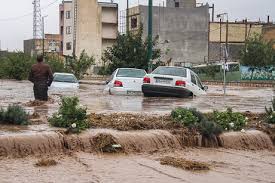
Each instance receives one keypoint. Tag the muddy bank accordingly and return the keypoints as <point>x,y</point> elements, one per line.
<point>103,140</point>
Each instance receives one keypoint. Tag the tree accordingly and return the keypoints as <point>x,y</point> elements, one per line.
<point>56,63</point>
<point>130,50</point>
<point>16,66</point>
<point>79,66</point>
<point>257,53</point>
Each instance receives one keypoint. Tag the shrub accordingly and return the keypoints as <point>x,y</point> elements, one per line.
<point>14,115</point>
<point>184,116</point>
<point>209,129</point>
<point>229,120</point>
<point>70,115</point>
<point>270,113</point>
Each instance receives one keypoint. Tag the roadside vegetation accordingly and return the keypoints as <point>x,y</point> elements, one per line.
<point>16,65</point>
<point>71,116</point>
<point>258,53</point>
<point>14,115</point>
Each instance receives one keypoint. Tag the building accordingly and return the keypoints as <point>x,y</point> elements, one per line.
<point>237,34</point>
<point>52,44</point>
<point>182,28</point>
<point>88,25</point>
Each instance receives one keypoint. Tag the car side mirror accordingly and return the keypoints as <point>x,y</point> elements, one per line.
<point>205,88</point>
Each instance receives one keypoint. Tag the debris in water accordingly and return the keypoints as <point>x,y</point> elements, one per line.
<point>35,103</point>
<point>105,143</point>
<point>243,130</point>
<point>46,163</point>
<point>184,164</point>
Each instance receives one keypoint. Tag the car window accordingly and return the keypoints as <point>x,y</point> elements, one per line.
<point>193,79</point>
<point>171,71</point>
<point>132,73</point>
<point>199,82</point>
<point>65,78</point>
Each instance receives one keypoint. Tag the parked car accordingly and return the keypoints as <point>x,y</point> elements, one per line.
<point>126,81</point>
<point>172,81</point>
<point>64,81</point>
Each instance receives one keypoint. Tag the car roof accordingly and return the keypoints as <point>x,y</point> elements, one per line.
<point>61,73</point>
<point>174,67</point>
<point>131,68</point>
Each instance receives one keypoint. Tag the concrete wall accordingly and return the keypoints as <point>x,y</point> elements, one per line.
<point>269,33</point>
<point>237,32</point>
<point>182,3</point>
<point>186,29</point>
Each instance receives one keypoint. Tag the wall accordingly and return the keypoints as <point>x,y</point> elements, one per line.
<point>237,32</point>
<point>182,3</point>
<point>186,29</point>
<point>269,33</point>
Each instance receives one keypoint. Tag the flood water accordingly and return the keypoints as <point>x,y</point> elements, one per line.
<point>227,166</point>
<point>92,96</point>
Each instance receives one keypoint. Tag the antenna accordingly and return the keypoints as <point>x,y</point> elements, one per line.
<point>37,24</point>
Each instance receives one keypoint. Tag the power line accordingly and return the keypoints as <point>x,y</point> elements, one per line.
<point>28,14</point>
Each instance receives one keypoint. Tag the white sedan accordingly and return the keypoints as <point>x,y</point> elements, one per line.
<point>172,81</point>
<point>126,81</point>
<point>64,81</point>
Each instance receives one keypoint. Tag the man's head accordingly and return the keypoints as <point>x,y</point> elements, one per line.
<point>39,58</point>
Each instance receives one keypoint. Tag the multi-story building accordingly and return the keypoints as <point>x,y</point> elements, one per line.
<point>182,28</point>
<point>88,25</point>
<point>237,33</point>
<point>52,44</point>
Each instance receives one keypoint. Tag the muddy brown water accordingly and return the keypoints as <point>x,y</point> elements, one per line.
<point>92,96</point>
<point>25,144</point>
<point>227,166</point>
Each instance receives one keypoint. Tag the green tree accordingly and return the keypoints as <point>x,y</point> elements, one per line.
<point>16,65</point>
<point>79,66</point>
<point>56,63</point>
<point>257,53</point>
<point>130,50</point>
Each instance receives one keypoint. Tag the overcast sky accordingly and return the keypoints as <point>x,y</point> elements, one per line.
<point>16,16</point>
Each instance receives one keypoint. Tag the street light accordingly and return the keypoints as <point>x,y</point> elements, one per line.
<point>43,35</point>
<point>221,16</point>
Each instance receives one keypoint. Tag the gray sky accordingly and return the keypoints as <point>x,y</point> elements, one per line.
<point>14,30</point>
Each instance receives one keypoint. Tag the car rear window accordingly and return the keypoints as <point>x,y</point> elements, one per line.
<point>65,78</point>
<point>171,71</point>
<point>133,73</point>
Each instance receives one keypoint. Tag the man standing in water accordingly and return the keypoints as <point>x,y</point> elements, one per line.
<point>41,76</point>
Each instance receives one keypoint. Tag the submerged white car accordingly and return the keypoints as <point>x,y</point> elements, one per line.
<point>64,81</point>
<point>126,81</point>
<point>173,81</point>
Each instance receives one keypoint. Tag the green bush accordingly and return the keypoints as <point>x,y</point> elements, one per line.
<point>195,119</point>
<point>229,120</point>
<point>70,115</point>
<point>15,115</point>
<point>270,113</point>
<point>184,116</point>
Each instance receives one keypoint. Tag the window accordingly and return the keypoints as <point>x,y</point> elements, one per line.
<point>132,73</point>
<point>170,71</point>
<point>177,4</point>
<point>134,22</point>
<point>68,46</point>
<point>68,30</point>
<point>193,78</point>
<point>68,14</point>
<point>61,30</point>
<point>199,83</point>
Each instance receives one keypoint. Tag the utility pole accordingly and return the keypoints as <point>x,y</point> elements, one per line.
<point>43,34</point>
<point>37,32</point>
<point>150,32</point>
<point>220,39</point>
<point>127,18</point>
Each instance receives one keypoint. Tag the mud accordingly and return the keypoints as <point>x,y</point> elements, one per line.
<point>227,166</point>
<point>46,163</point>
<point>184,164</point>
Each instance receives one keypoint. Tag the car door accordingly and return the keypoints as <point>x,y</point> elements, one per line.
<point>201,91</point>
<point>193,86</point>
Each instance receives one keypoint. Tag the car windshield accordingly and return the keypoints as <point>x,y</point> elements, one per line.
<point>131,73</point>
<point>171,71</point>
<point>64,78</point>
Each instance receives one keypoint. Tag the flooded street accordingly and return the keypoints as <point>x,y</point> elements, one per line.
<point>92,96</point>
<point>230,166</point>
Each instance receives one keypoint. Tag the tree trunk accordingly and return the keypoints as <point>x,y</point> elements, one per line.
<point>252,74</point>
